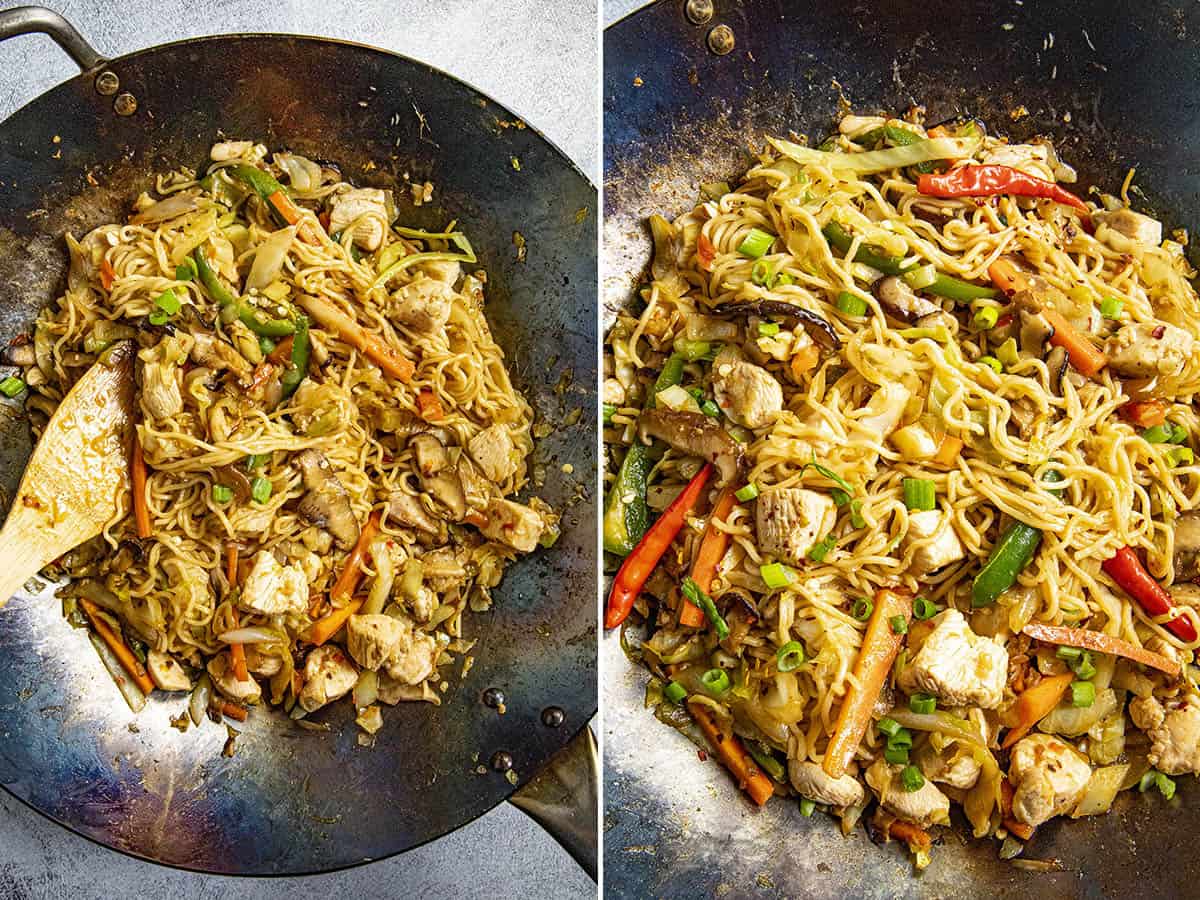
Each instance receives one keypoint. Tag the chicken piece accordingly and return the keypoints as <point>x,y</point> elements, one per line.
<point>422,305</point>
<point>166,672</point>
<point>366,210</point>
<point>262,664</point>
<point>1048,776</point>
<point>924,807</point>
<point>1145,349</point>
<point>956,665</point>
<point>374,639</point>
<point>1186,557</point>
<point>790,520</point>
<point>1136,227</point>
<point>437,476</point>
<point>159,375</point>
<point>937,544</point>
<point>209,350</point>
<point>953,765</point>
<point>748,394</point>
<point>613,392</point>
<point>328,675</point>
<point>447,271</point>
<point>226,151</point>
<point>885,409</point>
<point>494,451</point>
<point>415,658</point>
<point>272,589</point>
<point>1174,730</point>
<point>514,524</point>
<point>326,502</point>
<point>424,604</point>
<point>220,669</point>
<point>810,780</point>
<point>408,511</point>
<point>443,568</point>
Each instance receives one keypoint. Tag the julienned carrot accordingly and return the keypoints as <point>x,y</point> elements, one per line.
<point>880,646</point>
<point>107,274</point>
<point>430,405</point>
<point>232,710</point>
<point>237,653</point>
<point>917,838</point>
<point>282,352</point>
<point>1007,276</point>
<point>948,450</point>
<point>352,573</point>
<point>323,629</point>
<point>705,252</point>
<point>712,550</point>
<point>329,316</point>
<point>1021,830</point>
<point>291,214</point>
<point>1035,703</point>
<point>1102,643</point>
<point>733,756</point>
<point>137,471</point>
<point>231,564</point>
<point>117,645</point>
<point>1085,356</point>
<point>1144,413</point>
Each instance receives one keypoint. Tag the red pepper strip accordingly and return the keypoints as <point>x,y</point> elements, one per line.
<point>987,181</point>
<point>1126,570</point>
<point>705,252</point>
<point>645,556</point>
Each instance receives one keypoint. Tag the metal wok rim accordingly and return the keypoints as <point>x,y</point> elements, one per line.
<point>558,151</point>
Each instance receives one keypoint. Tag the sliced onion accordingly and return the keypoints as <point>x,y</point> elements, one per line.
<point>303,174</point>
<point>269,258</point>
<point>201,695</point>
<point>129,690</point>
<point>164,210</point>
<point>366,689</point>
<point>251,634</point>
<point>1101,791</point>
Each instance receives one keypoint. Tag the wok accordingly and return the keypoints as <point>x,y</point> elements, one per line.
<point>1112,83</point>
<point>292,801</point>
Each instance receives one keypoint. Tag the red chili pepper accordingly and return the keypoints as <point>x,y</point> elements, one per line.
<point>1126,570</point>
<point>645,556</point>
<point>988,181</point>
<point>705,252</point>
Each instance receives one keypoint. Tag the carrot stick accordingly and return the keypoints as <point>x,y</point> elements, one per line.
<point>1144,413</point>
<point>712,550</point>
<point>880,645</point>
<point>117,645</point>
<point>291,214</point>
<point>226,708</point>
<point>282,352</point>
<point>141,509</point>
<point>107,274</point>
<point>430,405</point>
<point>1085,356</point>
<point>231,564</point>
<point>1035,704</point>
<point>1007,276</point>
<point>1021,830</point>
<point>948,450</point>
<point>733,756</point>
<point>323,629</point>
<point>917,838</point>
<point>1102,643</point>
<point>352,573</point>
<point>376,350</point>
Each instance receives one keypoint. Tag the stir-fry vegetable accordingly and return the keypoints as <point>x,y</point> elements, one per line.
<point>918,151</point>
<point>733,755</point>
<point>712,549</point>
<point>1102,643</point>
<point>1008,558</point>
<point>141,508</point>
<point>988,181</point>
<point>704,602</point>
<point>250,316</point>
<point>115,643</point>
<point>1035,703</point>
<point>1127,571</point>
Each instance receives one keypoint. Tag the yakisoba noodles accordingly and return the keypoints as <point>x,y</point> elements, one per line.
<point>328,433</point>
<point>920,426</point>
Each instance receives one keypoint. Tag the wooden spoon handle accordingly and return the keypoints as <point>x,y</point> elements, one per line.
<point>22,560</point>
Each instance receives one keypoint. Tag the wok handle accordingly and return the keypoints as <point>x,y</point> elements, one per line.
<point>562,798</point>
<point>38,19</point>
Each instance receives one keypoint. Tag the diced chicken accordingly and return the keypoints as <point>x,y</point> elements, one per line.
<point>1187,546</point>
<point>957,666</point>
<point>937,545</point>
<point>366,210</point>
<point>166,672</point>
<point>748,394</point>
<point>885,409</point>
<point>1174,730</point>
<point>514,524</point>
<point>226,151</point>
<point>1136,227</point>
<point>220,669</point>
<point>1144,349</point>
<point>423,605</point>
<point>262,664</point>
<point>374,639</point>
<point>423,305</point>
<point>160,379</point>
<point>443,568</point>
<point>493,449</point>
<point>925,806</point>
<point>415,658</point>
<point>789,521</point>
<point>952,765</point>
<point>272,589</point>
<point>1048,776</point>
<point>810,780</point>
<point>447,271</point>
<point>613,392</point>
<point>393,691</point>
<point>328,675</point>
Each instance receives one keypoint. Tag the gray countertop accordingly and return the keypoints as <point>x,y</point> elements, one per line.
<point>540,60</point>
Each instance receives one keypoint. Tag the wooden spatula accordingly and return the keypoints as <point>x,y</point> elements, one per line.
<point>76,475</point>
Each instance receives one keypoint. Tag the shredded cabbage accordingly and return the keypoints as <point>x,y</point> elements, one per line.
<point>882,160</point>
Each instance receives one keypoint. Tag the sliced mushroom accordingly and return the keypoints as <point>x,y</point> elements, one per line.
<point>209,350</point>
<point>326,503</point>
<point>19,355</point>
<point>1187,546</point>
<point>695,434</point>
<point>901,301</point>
<point>818,327</point>
<point>437,476</point>
<point>1024,415</point>
<point>232,476</point>
<point>1056,362</point>
<point>407,510</point>
<point>1033,328</point>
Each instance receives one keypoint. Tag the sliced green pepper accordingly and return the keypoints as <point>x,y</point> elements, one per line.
<point>943,285</point>
<point>272,328</point>
<point>263,183</point>
<point>1011,554</point>
<point>767,761</point>
<point>298,365</point>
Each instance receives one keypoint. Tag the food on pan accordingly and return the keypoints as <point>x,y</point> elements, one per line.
<point>327,441</point>
<point>902,482</point>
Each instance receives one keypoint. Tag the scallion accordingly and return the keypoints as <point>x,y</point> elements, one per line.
<point>256,460</point>
<point>897,756</point>
<point>1069,654</point>
<point>920,494</point>
<point>186,270</point>
<point>986,318</point>
<point>923,704</point>
<point>818,551</point>
<point>776,575</point>
<point>790,656</point>
<point>710,409</point>
<point>747,493</point>
<point>1083,694</point>
<point>159,317</point>
<point>1008,354</point>
<point>992,363</point>
<point>1179,434</point>
<point>608,412</point>
<point>221,494</point>
<point>762,275</point>
<point>715,681</point>
<point>862,609</point>
<point>1083,667</point>
<point>692,350</point>
<point>675,692</point>
<point>168,302</point>
<point>768,329</point>
<point>756,243</point>
<point>856,516</point>
<point>1147,781</point>
<point>912,779</point>
<point>807,807</point>
<point>1165,785</point>
<point>1110,308</point>
<point>260,490</point>
<point>921,277</point>
<point>924,608</point>
<point>899,624</point>
<point>11,386</point>
<point>851,304</point>
<point>1157,434</point>
<point>888,726</point>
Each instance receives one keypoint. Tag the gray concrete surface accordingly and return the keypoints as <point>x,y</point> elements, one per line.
<point>541,60</point>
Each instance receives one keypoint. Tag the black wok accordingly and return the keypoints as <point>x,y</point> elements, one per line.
<point>292,801</point>
<point>1114,84</point>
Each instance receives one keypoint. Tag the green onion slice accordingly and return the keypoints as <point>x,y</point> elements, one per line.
<point>260,490</point>
<point>715,681</point>
<point>912,779</point>
<point>790,656</point>
<point>11,386</point>
<point>851,304</point>
<point>756,243</point>
<point>920,494</point>
<point>923,609</point>
<point>749,492</point>
<point>675,692</point>
<point>776,575</point>
<point>862,609</point>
